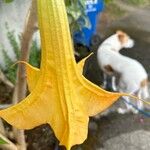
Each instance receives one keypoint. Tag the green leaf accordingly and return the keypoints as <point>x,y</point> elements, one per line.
<point>2,141</point>
<point>108,1</point>
<point>76,11</point>
<point>13,42</point>
<point>8,1</point>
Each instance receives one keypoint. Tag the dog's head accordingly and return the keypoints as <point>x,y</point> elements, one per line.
<point>124,39</point>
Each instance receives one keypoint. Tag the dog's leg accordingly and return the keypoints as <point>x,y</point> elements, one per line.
<point>104,80</point>
<point>140,103</point>
<point>121,110</point>
<point>114,87</point>
<point>128,107</point>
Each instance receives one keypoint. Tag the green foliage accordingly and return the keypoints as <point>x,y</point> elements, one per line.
<point>132,2</point>
<point>138,2</point>
<point>9,70</point>
<point>108,1</point>
<point>7,1</point>
<point>76,11</point>
<point>2,141</point>
<point>35,55</point>
<point>13,42</point>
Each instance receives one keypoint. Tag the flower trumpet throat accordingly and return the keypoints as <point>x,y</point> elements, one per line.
<point>60,95</point>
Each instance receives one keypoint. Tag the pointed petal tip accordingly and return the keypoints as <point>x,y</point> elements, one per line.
<point>135,97</point>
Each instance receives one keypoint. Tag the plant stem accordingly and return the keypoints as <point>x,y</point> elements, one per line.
<point>20,90</point>
<point>9,145</point>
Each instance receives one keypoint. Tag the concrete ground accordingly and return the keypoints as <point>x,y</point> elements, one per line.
<point>137,140</point>
<point>118,132</point>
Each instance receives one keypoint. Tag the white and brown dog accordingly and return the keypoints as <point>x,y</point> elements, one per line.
<point>133,77</point>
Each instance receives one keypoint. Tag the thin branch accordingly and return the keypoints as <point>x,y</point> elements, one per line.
<point>9,145</point>
<point>20,89</point>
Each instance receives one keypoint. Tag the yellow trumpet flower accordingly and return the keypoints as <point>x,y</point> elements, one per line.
<point>60,95</point>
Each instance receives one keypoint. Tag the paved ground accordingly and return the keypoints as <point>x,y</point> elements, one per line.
<point>137,140</point>
<point>118,132</point>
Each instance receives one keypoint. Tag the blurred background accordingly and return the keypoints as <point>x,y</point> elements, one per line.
<point>91,21</point>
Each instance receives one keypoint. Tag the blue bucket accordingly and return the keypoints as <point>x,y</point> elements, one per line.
<point>93,8</point>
